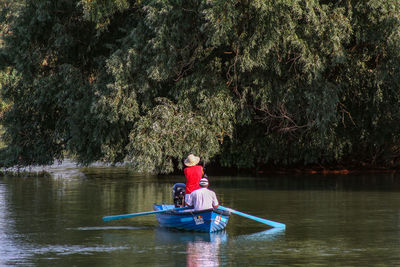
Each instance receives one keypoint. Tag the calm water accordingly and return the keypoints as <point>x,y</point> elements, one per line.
<point>331,220</point>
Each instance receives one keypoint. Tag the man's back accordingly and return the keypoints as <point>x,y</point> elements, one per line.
<point>203,199</point>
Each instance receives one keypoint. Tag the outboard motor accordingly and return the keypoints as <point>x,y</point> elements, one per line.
<point>178,194</point>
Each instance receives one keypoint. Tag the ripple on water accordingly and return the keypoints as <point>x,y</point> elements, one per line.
<point>68,250</point>
<point>108,228</point>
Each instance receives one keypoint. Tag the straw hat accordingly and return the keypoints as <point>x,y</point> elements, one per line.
<point>191,160</point>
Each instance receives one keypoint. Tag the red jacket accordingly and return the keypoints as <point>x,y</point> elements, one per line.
<point>193,175</point>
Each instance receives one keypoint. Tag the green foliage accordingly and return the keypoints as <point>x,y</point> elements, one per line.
<point>102,11</point>
<point>167,130</point>
<point>246,83</point>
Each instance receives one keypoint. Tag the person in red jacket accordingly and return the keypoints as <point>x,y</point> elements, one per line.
<point>193,173</point>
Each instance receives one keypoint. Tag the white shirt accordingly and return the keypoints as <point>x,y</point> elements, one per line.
<point>203,199</point>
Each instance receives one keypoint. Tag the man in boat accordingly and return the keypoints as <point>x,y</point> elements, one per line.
<point>203,198</point>
<point>193,173</point>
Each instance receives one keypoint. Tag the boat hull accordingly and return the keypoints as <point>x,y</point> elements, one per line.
<point>208,221</point>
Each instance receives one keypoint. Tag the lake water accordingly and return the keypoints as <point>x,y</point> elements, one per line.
<point>330,221</point>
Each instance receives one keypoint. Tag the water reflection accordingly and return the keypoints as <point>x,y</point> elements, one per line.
<point>11,250</point>
<point>202,253</point>
<point>202,249</point>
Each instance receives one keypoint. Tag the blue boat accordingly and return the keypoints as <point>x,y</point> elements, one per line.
<point>208,221</point>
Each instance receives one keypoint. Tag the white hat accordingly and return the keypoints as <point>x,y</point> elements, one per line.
<point>191,160</point>
<point>203,181</point>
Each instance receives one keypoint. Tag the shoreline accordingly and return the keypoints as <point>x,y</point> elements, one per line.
<point>70,168</point>
<point>301,170</point>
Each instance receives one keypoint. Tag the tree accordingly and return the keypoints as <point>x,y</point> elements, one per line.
<point>245,83</point>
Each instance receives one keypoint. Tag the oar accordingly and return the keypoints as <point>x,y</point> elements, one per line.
<point>123,216</point>
<point>261,220</point>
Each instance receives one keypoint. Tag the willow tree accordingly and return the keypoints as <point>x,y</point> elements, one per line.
<point>242,83</point>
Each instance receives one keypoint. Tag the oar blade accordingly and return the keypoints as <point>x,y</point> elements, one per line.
<point>261,220</point>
